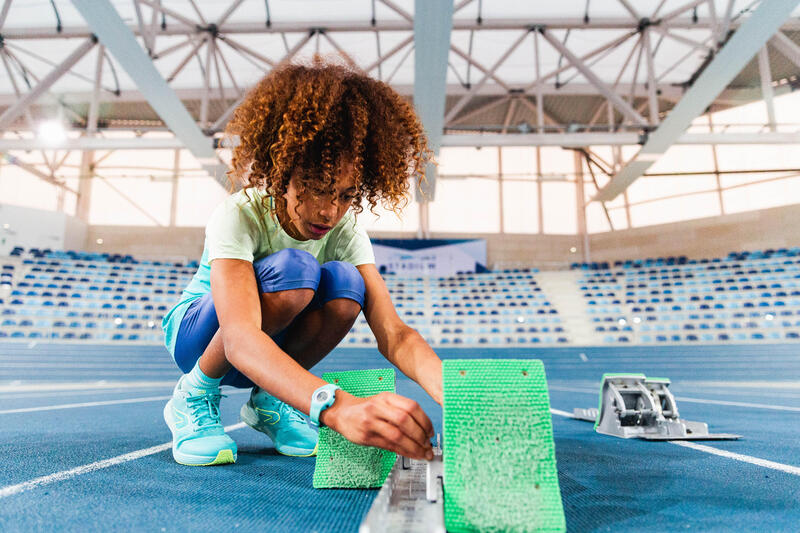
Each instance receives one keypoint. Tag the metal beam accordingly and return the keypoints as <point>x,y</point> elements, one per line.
<point>624,107</point>
<point>567,140</point>
<point>36,172</point>
<point>433,22</point>
<point>667,92</point>
<point>765,74</point>
<point>580,140</point>
<point>652,97</point>
<point>787,47</point>
<point>453,111</point>
<point>117,37</point>
<point>520,23</point>
<point>19,108</point>
<point>734,55</point>
<point>4,12</point>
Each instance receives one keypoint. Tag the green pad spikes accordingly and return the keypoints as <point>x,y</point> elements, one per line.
<point>340,463</point>
<point>499,456</point>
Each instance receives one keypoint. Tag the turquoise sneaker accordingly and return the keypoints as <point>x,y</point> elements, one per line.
<point>285,425</point>
<point>198,438</point>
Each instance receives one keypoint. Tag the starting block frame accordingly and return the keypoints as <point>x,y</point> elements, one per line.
<point>635,406</point>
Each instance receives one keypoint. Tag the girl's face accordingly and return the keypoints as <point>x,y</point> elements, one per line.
<point>316,215</point>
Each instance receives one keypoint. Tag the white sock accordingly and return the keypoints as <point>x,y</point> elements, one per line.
<point>196,379</point>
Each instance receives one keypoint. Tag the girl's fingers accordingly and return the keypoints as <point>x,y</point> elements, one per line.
<point>389,437</point>
<point>405,422</point>
<point>412,408</point>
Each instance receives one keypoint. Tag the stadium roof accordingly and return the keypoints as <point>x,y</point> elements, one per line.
<point>571,73</point>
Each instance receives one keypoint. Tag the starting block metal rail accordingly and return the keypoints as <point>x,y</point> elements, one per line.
<point>411,499</point>
<point>634,406</point>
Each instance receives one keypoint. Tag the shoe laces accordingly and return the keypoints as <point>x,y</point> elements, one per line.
<point>294,414</point>
<point>204,408</point>
<point>286,411</point>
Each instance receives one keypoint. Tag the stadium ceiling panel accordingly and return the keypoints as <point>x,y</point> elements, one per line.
<point>611,70</point>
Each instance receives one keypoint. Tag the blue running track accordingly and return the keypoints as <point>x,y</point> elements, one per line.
<point>83,446</point>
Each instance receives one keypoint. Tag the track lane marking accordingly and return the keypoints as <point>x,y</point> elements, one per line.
<point>64,475</point>
<point>98,392</point>
<point>697,400</point>
<point>20,386</point>
<point>789,469</point>
<point>95,404</point>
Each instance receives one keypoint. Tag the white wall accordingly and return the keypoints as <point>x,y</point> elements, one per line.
<point>39,228</point>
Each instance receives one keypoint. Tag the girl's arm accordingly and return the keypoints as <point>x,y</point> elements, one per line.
<point>387,420</point>
<point>399,343</point>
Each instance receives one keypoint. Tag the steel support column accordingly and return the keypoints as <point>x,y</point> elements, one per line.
<point>433,21</point>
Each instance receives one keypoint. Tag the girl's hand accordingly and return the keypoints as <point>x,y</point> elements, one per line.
<point>386,420</point>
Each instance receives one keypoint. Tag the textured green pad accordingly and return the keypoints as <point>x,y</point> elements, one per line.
<point>340,463</point>
<point>499,456</point>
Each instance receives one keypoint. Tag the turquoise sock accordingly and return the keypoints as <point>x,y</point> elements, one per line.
<point>196,379</point>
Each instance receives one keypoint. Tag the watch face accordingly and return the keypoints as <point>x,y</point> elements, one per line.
<point>322,396</point>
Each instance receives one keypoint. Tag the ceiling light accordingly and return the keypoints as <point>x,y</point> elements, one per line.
<point>52,132</point>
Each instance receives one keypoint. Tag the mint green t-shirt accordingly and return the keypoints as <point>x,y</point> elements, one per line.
<point>242,228</point>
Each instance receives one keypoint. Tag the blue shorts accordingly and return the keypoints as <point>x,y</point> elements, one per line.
<point>284,270</point>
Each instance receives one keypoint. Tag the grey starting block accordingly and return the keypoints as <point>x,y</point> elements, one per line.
<point>410,500</point>
<point>634,406</point>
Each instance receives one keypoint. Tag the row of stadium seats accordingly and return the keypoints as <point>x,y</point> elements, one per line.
<point>739,298</point>
<point>749,255</point>
<point>742,298</point>
<point>46,291</point>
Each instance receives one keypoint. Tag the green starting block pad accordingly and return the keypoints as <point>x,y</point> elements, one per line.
<point>340,463</point>
<point>499,456</point>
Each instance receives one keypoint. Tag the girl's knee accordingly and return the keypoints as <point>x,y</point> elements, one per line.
<point>343,310</point>
<point>342,280</point>
<point>278,309</point>
<point>287,269</point>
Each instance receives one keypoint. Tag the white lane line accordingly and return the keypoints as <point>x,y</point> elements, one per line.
<point>686,399</point>
<point>789,469</point>
<point>738,404</point>
<point>85,404</point>
<point>40,386</point>
<point>97,392</point>
<point>95,404</point>
<point>104,364</point>
<point>745,384</point>
<point>167,387</point>
<point>64,475</point>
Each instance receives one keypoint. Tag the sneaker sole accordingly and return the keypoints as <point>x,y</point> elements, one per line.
<point>247,416</point>
<point>223,457</point>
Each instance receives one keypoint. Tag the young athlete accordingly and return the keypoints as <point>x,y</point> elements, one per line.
<point>286,269</point>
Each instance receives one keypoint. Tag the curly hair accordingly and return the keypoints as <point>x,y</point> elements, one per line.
<point>321,118</point>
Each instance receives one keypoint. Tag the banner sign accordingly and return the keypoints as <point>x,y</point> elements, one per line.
<point>429,257</point>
